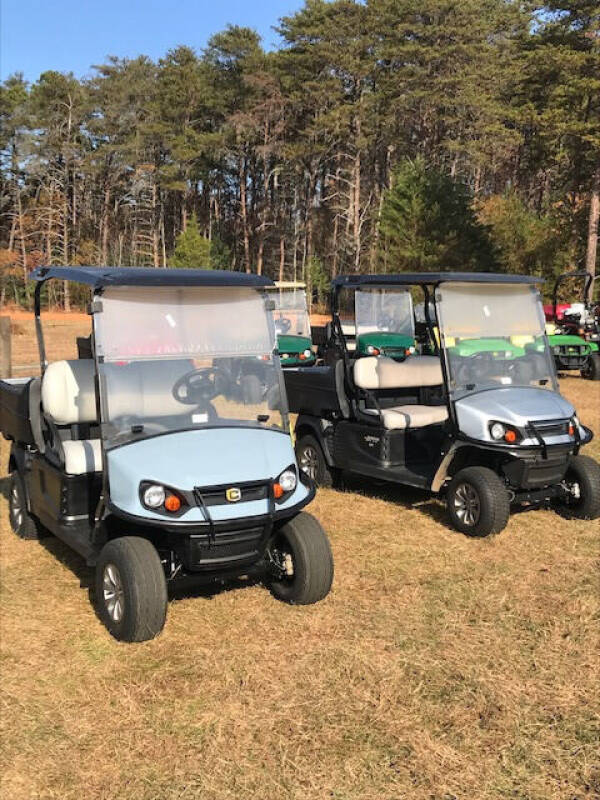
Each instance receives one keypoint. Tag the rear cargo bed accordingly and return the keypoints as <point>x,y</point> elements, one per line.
<point>15,404</point>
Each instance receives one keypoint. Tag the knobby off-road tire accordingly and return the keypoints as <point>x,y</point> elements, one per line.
<point>305,540</point>
<point>478,502</point>
<point>591,371</point>
<point>21,521</point>
<point>585,472</point>
<point>311,460</point>
<point>129,572</point>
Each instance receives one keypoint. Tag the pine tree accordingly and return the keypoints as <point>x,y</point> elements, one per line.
<point>428,223</point>
<point>192,250</point>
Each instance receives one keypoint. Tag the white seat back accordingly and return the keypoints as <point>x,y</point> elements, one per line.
<point>69,392</point>
<point>381,372</point>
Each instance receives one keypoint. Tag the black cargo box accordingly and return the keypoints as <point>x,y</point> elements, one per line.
<point>318,391</point>
<point>15,415</point>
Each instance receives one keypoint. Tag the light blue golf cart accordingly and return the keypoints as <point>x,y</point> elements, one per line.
<point>141,461</point>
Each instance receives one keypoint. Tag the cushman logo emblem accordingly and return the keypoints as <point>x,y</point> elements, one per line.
<point>233,494</point>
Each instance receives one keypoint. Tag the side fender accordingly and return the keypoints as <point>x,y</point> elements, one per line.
<point>305,424</point>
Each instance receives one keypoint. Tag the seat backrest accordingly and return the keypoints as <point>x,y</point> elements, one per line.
<point>381,372</point>
<point>144,388</point>
<point>69,392</point>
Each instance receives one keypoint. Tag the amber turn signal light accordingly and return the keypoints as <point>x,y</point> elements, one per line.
<point>172,503</point>
<point>510,436</point>
<point>571,429</point>
<point>278,491</point>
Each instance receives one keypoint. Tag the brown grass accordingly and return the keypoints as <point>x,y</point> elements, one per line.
<point>439,667</point>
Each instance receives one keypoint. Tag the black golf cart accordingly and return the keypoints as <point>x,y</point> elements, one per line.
<point>473,415</point>
<point>135,457</point>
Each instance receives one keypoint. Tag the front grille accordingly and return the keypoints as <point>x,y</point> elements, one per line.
<point>228,548</point>
<point>552,427</point>
<point>217,495</point>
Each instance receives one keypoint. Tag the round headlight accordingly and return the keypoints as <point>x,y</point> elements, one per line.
<point>497,430</point>
<point>308,353</point>
<point>154,496</point>
<point>287,480</point>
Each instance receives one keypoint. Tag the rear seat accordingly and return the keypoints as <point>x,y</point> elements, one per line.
<point>375,373</point>
<point>69,398</point>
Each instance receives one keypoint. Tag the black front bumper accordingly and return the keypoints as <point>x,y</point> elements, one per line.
<point>530,470</point>
<point>218,546</point>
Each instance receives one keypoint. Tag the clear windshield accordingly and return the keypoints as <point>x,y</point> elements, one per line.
<point>384,311</point>
<point>494,336</point>
<point>291,313</point>
<point>173,359</point>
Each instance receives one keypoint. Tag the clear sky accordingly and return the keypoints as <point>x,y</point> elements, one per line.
<point>71,35</point>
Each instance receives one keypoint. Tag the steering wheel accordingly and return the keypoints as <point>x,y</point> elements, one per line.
<point>197,387</point>
<point>468,370</point>
<point>283,324</point>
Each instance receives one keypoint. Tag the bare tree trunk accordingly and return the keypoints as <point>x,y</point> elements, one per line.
<point>295,253</point>
<point>592,239</point>
<point>65,259</point>
<point>155,227</point>
<point>22,237</point>
<point>244,212</point>
<point>281,255</point>
<point>104,224</point>
<point>356,221</point>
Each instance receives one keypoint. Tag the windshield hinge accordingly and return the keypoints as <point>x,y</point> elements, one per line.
<point>95,307</point>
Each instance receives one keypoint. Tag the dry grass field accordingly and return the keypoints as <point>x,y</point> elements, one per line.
<point>439,668</point>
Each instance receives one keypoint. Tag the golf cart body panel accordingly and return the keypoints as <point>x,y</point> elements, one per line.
<point>229,457</point>
<point>518,407</point>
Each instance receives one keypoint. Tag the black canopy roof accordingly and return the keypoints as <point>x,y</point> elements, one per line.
<point>430,278</point>
<point>148,276</point>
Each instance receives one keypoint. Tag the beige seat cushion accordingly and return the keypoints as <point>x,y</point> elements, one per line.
<point>381,372</point>
<point>82,456</point>
<point>69,392</point>
<point>411,416</point>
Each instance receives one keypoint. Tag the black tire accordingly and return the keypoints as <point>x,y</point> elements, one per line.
<point>584,472</point>
<point>252,390</point>
<point>21,521</point>
<point>591,371</point>
<point>478,502</point>
<point>306,542</point>
<point>311,460</point>
<point>143,589</point>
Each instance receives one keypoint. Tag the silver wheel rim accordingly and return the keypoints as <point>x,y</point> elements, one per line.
<point>16,506</point>
<point>112,590</point>
<point>309,462</point>
<point>467,506</point>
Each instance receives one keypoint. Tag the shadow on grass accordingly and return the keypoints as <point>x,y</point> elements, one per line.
<point>179,589</point>
<point>408,497</point>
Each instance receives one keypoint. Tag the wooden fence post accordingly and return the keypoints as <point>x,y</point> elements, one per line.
<point>5,348</point>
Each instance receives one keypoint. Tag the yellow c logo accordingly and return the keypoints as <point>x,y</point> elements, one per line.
<point>233,494</point>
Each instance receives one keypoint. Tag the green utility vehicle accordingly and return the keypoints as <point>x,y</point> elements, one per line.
<point>574,330</point>
<point>375,322</point>
<point>292,324</point>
